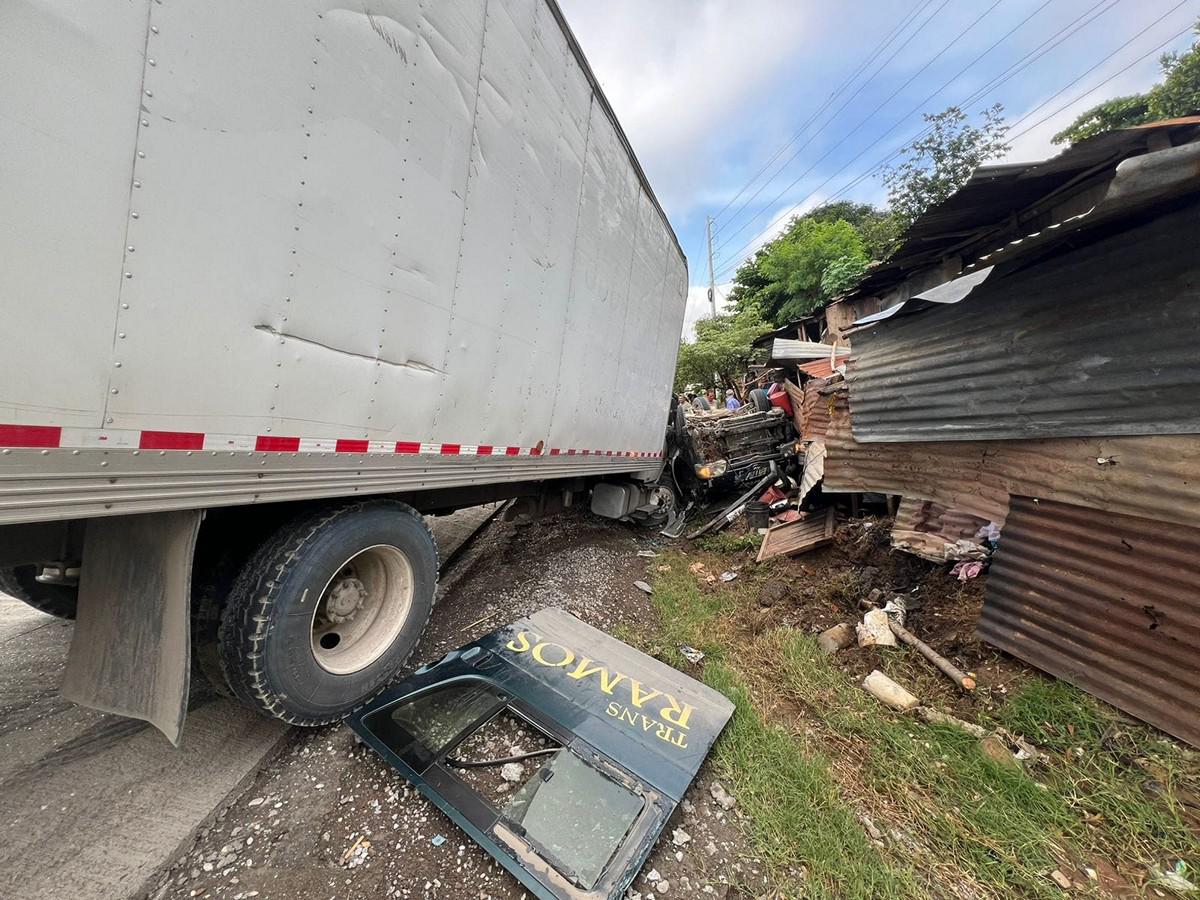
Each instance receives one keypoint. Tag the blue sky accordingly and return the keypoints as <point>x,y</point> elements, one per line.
<point>709,90</point>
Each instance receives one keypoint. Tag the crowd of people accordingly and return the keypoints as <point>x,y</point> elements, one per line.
<point>706,400</point>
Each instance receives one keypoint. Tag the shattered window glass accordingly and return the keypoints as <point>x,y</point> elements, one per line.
<point>576,814</point>
<point>437,717</point>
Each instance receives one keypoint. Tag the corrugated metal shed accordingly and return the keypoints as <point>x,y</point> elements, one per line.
<point>1156,477</point>
<point>1056,349</point>
<point>1009,201</point>
<point>1109,603</point>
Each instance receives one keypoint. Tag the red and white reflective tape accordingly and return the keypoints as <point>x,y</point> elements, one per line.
<point>54,437</point>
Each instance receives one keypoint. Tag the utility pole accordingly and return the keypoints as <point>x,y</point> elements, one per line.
<point>712,281</point>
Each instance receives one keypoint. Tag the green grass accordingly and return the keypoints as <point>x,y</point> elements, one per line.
<point>812,746</point>
<point>797,817</point>
<point>1102,768</point>
<point>722,542</point>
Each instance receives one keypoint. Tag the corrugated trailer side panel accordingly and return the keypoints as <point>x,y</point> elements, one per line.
<point>408,224</point>
<point>64,179</point>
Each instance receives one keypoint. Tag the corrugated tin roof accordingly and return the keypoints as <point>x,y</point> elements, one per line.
<point>996,198</point>
<point>1156,477</point>
<point>784,350</point>
<point>1095,340</point>
<point>1106,602</point>
<point>820,368</point>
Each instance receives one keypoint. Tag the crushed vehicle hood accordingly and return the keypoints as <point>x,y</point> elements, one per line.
<point>626,732</point>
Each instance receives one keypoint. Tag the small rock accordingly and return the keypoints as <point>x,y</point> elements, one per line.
<point>724,800</point>
<point>653,876</point>
<point>663,886</point>
<point>772,592</point>
<point>512,771</point>
<point>257,801</point>
<point>680,838</point>
<point>839,637</point>
<point>226,861</point>
<point>642,586</point>
<point>710,848</point>
<point>647,554</point>
<point>1056,876</point>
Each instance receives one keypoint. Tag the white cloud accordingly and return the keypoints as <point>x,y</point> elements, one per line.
<point>675,69</point>
<point>1035,144</point>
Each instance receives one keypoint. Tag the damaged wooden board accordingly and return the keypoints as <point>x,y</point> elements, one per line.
<point>798,537</point>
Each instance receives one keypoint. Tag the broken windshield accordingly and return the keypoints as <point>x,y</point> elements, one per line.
<point>576,814</point>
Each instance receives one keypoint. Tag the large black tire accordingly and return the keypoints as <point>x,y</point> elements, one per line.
<point>760,400</point>
<point>55,599</point>
<point>266,637</point>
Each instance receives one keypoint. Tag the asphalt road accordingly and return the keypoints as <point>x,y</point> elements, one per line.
<point>92,805</point>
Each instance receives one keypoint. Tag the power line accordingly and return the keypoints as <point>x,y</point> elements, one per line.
<point>1031,57</point>
<point>879,48</point>
<point>858,70</point>
<point>881,163</point>
<point>1090,90</point>
<point>869,116</point>
<point>845,103</point>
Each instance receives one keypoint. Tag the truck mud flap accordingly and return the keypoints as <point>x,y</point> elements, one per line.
<point>130,653</point>
<point>557,748</point>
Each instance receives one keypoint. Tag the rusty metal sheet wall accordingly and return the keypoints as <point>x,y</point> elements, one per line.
<point>814,410</point>
<point>931,531</point>
<point>1109,603</point>
<point>1155,476</point>
<point>1054,350</point>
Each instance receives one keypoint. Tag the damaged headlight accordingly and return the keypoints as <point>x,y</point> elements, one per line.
<point>710,470</point>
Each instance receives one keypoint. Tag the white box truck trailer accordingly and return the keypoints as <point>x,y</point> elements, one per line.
<point>281,276</point>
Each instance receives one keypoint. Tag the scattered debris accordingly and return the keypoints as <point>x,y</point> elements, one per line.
<point>889,692</point>
<point>680,837</point>
<point>805,534</point>
<point>1060,879</point>
<point>965,570</point>
<point>647,554</point>
<point>875,630</point>
<point>1173,879</point>
<point>728,576</point>
<point>964,680</point>
<point>438,840</point>
<point>718,792</point>
<point>839,637</point>
<point>589,815</point>
<point>512,772</point>
<point>691,654</point>
<point>642,586</point>
<point>994,749</point>
<point>936,717</point>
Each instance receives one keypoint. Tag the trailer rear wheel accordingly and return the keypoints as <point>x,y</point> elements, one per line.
<point>54,599</point>
<point>324,615</point>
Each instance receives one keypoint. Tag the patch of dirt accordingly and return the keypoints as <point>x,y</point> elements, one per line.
<point>330,819</point>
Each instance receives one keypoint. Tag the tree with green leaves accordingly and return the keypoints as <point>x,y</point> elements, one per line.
<point>939,162</point>
<point>1178,94</point>
<point>722,348</point>
<point>819,255</point>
